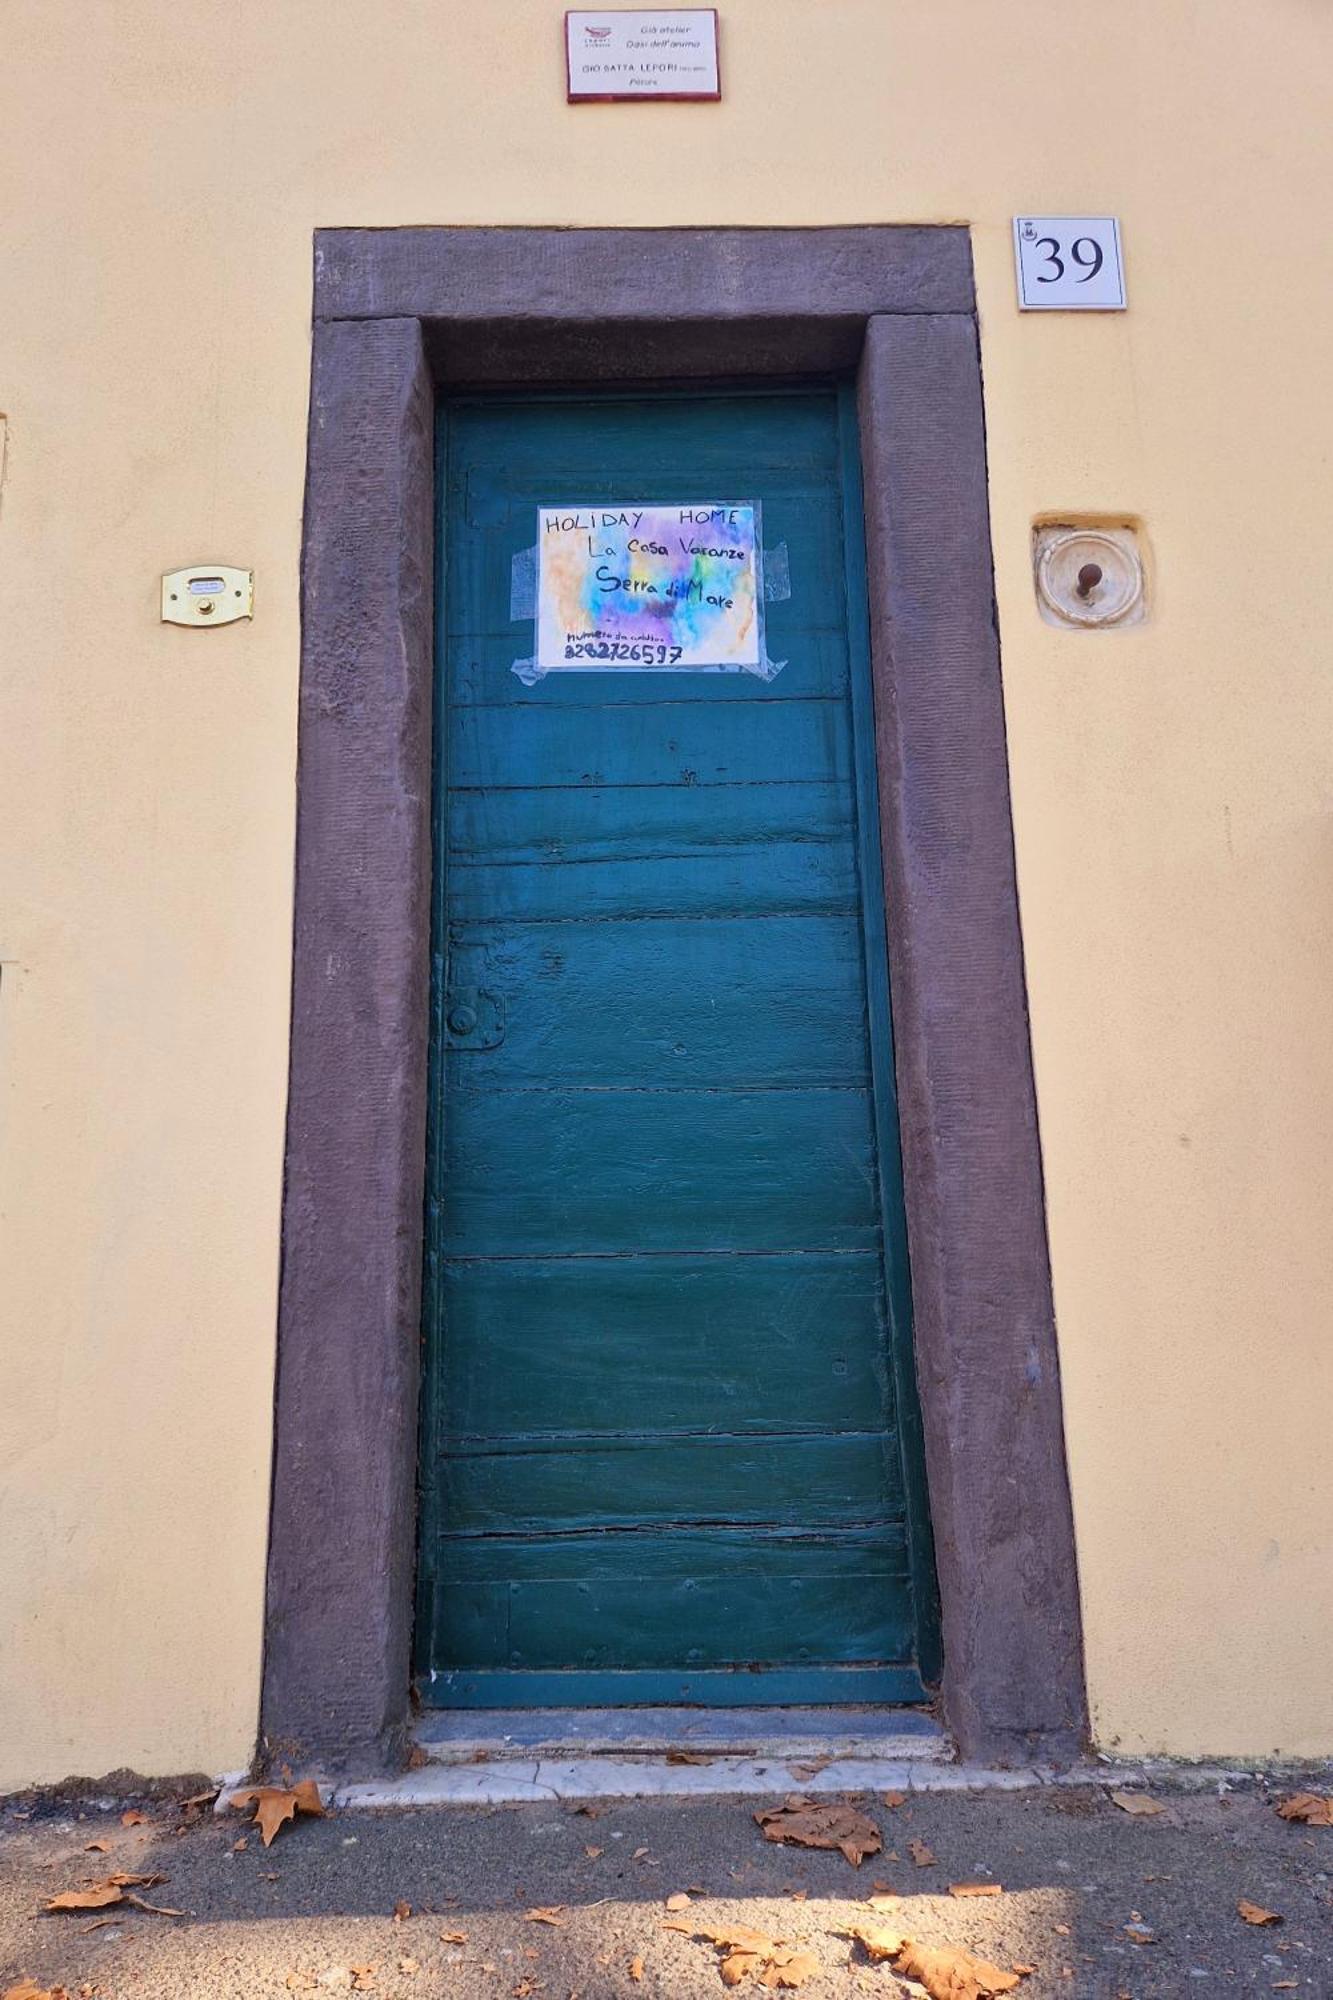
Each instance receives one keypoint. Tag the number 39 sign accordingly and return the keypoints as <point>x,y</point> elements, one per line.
<point>1069,262</point>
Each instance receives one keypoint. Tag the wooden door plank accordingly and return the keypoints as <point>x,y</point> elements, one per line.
<point>541,1173</point>
<point>557,1345</point>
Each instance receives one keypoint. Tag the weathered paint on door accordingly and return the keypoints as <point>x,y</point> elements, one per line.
<point>670,1446</point>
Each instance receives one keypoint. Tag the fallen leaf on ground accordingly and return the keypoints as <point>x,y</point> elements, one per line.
<point>922,1855</point>
<point>949,1973</point>
<point>636,1968</point>
<point>275,1804</point>
<point>132,1818</point>
<point>975,1889</point>
<point>98,1847</point>
<point>1310,1808</point>
<point>804,1772</point>
<point>803,1824</point>
<point>679,1901</point>
<point>591,1811</point>
<point>453,1937</point>
<point>417,1757</point>
<point>115,1889</point>
<point>554,1916</point>
<point>25,1990</point>
<point>789,1968</point>
<point>202,1798</point>
<point>594,1853</point>
<point>96,1898</point>
<point>895,1799</point>
<point>687,1757</point>
<point>401,1911</point>
<point>1255,1913</point>
<point>1138,1804</point>
<point>747,1952</point>
<point>879,1941</point>
<point>524,1989</point>
<point>639,1854</point>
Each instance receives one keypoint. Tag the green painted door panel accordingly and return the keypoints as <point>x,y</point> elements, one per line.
<point>670,1444</point>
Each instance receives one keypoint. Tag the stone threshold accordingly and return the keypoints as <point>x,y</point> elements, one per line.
<point>460,1736</point>
<point>511,1757</point>
<point>522,1780</point>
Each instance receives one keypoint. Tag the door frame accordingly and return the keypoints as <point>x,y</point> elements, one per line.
<point>399,315</point>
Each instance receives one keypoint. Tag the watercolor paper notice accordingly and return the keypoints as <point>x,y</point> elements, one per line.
<point>648,588</point>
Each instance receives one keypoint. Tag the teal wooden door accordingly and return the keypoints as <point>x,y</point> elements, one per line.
<point>670,1444</point>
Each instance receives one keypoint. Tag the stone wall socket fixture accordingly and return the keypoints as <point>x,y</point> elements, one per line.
<point>1089,578</point>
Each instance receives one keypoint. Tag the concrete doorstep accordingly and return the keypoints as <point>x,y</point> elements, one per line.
<point>508,1757</point>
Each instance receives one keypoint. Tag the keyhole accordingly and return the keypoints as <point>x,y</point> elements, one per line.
<point>1088,578</point>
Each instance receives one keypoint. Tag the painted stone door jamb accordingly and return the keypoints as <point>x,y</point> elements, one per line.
<point>400,314</point>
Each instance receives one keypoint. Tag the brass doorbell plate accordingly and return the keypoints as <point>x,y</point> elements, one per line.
<point>207,594</point>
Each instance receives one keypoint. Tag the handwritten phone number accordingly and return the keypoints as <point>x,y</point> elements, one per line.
<point>643,653</point>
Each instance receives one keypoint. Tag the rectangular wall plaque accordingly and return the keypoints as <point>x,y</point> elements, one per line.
<point>1069,263</point>
<point>626,53</point>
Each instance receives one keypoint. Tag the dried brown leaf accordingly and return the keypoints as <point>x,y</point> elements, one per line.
<point>687,1757</point>
<point>453,1937</point>
<point>804,1772</point>
<point>789,1968</point>
<point>202,1798</point>
<point>98,1847</point>
<point>975,1889</point>
<point>96,1898</point>
<point>878,1940</point>
<point>1138,1804</point>
<point>555,1916</point>
<point>132,1818</point>
<point>401,1911</point>
<point>1255,1913</point>
<point>594,1853</point>
<point>275,1804</point>
<point>25,1990</point>
<point>949,1973</point>
<point>636,1968</point>
<point>895,1799</point>
<point>1309,1808</point>
<point>154,1909</point>
<point>922,1855</point>
<point>801,1823</point>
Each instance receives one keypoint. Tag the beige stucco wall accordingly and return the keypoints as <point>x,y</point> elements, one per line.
<point>162,167</point>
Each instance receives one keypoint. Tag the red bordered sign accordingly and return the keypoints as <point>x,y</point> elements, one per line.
<point>662,54</point>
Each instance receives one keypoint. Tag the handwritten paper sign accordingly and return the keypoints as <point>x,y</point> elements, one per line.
<point>645,588</point>
<point>648,52</point>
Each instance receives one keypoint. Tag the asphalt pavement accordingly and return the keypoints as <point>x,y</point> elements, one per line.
<point>410,1905</point>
